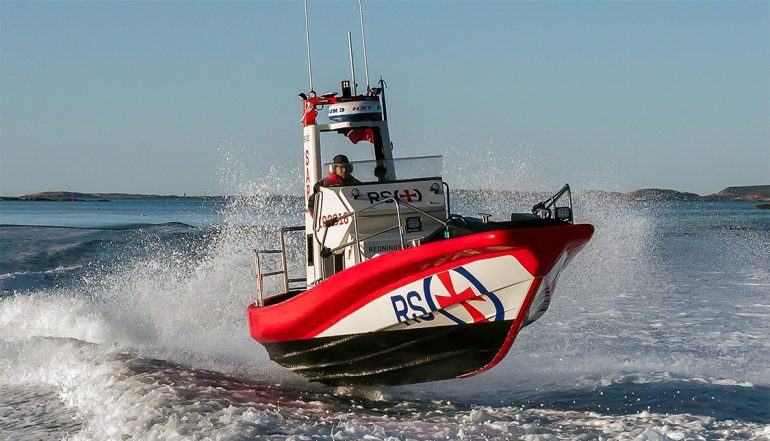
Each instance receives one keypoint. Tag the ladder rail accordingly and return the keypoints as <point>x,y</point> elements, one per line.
<point>284,270</point>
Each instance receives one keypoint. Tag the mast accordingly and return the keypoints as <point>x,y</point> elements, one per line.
<point>363,40</point>
<point>309,61</point>
<point>352,67</point>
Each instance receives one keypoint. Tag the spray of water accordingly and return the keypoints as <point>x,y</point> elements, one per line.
<point>184,300</point>
<point>188,305</point>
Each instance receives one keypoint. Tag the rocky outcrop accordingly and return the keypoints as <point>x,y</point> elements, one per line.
<point>60,196</point>
<point>657,194</point>
<point>754,193</point>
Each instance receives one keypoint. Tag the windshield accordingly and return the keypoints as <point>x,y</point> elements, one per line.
<point>397,169</point>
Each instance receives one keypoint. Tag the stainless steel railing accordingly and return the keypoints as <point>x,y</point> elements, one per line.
<point>548,209</point>
<point>357,239</point>
<point>284,271</point>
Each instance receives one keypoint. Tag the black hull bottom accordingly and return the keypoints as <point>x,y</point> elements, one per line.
<point>393,357</point>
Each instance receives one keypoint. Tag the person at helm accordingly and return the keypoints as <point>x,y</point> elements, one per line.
<point>339,174</point>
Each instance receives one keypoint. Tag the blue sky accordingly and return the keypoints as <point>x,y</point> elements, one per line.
<point>179,97</point>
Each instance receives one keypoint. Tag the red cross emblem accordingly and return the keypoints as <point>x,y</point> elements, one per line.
<point>464,298</point>
<point>408,195</point>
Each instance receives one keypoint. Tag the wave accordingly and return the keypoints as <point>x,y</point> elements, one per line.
<point>120,395</point>
<point>21,281</point>
<point>55,314</point>
<point>40,258</point>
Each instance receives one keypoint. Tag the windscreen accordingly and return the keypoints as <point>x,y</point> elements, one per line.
<point>397,169</point>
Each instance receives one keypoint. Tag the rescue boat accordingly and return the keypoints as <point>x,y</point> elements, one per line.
<point>398,288</point>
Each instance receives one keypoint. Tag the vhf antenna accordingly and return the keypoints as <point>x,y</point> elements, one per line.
<point>363,39</point>
<point>352,67</point>
<point>309,61</point>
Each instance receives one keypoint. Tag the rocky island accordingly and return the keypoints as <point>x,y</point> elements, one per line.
<point>752,193</point>
<point>67,196</point>
<point>658,194</point>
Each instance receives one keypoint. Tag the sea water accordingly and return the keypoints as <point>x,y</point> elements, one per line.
<point>127,320</point>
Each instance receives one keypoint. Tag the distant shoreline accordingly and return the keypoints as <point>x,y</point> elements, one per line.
<point>68,196</point>
<point>750,193</point>
<point>754,193</point>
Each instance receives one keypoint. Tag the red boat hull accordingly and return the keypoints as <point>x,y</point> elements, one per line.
<point>450,308</point>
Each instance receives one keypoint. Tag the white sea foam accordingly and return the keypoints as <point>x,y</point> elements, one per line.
<point>49,315</point>
<point>169,305</point>
<point>124,397</point>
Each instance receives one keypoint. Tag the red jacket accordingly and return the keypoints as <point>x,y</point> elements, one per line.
<point>331,180</point>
